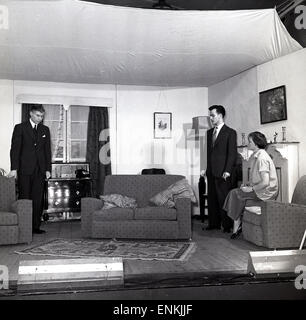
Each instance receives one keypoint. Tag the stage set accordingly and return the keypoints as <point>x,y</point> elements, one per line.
<point>212,267</point>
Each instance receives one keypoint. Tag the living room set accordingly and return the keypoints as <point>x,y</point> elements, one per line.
<point>157,213</point>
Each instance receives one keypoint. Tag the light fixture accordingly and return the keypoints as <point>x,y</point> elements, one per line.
<point>162,5</point>
<point>198,124</point>
<point>69,274</point>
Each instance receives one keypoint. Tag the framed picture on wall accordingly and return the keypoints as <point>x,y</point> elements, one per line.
<point>162,125</point>
<point>273,105</point>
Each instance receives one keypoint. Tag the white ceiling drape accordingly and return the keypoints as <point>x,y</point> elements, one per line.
<point>74,41</point>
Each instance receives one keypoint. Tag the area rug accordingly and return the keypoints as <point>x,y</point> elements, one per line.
<point>143,250</point>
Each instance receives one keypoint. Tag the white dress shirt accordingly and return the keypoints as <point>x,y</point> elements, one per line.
<point>33,124</point>
<point>218,128</point>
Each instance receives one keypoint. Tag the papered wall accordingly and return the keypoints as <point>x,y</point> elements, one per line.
<point>136,106</point>
<point>240,96</point>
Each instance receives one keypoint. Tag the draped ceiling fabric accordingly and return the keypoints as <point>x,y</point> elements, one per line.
<point>74,41</point>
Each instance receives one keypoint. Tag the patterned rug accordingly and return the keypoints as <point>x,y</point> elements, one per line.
<point>143,250</point>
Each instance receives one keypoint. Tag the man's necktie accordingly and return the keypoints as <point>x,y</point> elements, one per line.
<point>214,137</point>
<point>35,131</point>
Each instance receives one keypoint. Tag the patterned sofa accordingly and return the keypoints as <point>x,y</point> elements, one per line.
<point>279,224</point>
<point>144,222</point>
<point>15,216</point>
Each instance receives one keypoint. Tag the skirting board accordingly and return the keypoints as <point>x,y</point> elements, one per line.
<point>69,274</point>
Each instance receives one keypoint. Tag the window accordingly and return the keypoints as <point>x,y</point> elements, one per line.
<point>68,129</point>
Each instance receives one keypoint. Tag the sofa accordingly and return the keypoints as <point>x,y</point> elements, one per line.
<point>15,216</point>
<point>274,224</point>
<point>144,222</point>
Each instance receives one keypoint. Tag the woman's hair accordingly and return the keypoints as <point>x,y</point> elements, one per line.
<point>259,139</point>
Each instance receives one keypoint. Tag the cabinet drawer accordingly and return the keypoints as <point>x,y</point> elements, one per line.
<point>66,194</point>
<point>64,203</point>
<point>55,193</point>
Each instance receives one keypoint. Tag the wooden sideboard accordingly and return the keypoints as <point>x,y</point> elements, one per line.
<point>63,195</point>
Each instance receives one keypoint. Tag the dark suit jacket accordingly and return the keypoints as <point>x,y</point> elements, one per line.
<point>26,153</point>
<point>222,156</point>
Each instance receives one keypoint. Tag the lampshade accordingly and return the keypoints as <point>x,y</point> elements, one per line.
<point>201,122</point>
<point>198,123</point>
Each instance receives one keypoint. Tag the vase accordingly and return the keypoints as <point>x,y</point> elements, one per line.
<point>243,139</point>
<point>284,134</point>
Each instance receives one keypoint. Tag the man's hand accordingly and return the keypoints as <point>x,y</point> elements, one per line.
<point>48,174</point>
<point>226,175</point>
<point>12,173</point>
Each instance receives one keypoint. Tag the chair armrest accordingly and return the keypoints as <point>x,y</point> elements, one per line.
<point>23,209</point>
<point>183,208</point>
<point>283,221</point>
<point>255,203</point>
<point>88,206</point>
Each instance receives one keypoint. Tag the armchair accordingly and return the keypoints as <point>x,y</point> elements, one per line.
<point>279,225</point>
<point>15,216</point>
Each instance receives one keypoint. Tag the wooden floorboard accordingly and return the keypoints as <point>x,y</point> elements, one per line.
<point>215,252</point>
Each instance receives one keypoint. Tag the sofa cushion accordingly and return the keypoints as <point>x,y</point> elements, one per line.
<point>251,217</point>
<point>155,213</point>
<point>8,219</point>
<point>163,199</point>
<point>140,187</point>
<point>179,189</point>
<point>118,200</point>
<point>113,214</point>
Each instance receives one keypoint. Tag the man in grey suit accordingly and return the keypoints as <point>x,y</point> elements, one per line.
<point>31,161</point>
<point>221,160</point>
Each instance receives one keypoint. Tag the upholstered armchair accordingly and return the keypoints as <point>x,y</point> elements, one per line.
<point>275,224</point>
<point>15,216</point>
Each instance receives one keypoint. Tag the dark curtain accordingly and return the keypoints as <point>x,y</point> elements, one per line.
<point>25,111</point>
<point>98,151</point>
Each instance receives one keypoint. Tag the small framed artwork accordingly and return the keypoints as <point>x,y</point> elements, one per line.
<point>162,125</point>
<point>273,105</point>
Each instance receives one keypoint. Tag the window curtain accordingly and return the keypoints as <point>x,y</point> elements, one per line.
<point>25,111</point>
<point>98,149</point>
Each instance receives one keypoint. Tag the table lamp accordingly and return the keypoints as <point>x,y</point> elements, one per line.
<point>199,123</point>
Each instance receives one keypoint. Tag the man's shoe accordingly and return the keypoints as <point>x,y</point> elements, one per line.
<point>39,231</point>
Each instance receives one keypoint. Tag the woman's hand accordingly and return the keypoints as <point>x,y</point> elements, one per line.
<point>246,189</point>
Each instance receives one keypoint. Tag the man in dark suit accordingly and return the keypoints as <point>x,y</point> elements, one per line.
<point>221,160</point>
<point>31,161</point>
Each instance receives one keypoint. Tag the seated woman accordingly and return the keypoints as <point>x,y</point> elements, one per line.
<point>263,184</point>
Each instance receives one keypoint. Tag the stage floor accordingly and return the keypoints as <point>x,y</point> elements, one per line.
<point>217,260</point>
